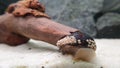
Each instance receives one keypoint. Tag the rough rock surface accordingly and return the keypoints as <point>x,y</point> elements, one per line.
<point>80,13</point>
<point>109,26</point>
<point>76,13</point>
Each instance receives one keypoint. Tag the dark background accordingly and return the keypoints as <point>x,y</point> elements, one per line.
<point>98,18</point>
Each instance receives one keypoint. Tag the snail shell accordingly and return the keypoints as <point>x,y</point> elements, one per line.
<point>66,40</point>
<point>80,46</point>
<point>71,40</point>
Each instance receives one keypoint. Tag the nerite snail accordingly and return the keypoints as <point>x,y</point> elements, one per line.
<point>82,46</point>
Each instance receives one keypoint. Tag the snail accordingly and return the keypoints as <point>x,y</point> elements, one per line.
<point>80,45</point>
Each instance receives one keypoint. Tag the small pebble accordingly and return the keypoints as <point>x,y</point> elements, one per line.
<point>42,67</point>
<point>29,48</point>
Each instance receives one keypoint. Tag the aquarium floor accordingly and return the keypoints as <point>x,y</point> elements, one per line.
<point>37,54</point>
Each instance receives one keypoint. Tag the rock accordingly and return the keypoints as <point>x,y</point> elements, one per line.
<point>111,6</point>
<point>109,26</point>
<point>109,32</point>
<point>75,13</point>
<point>108,18</point>
<point>108,6</point>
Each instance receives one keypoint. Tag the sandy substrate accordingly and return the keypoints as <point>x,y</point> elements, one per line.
<point>37,54</point>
